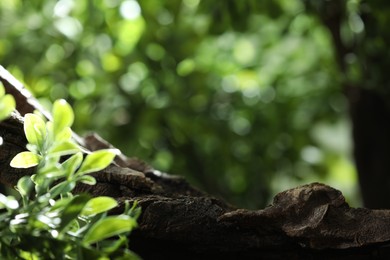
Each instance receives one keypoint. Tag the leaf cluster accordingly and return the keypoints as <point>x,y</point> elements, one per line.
<point>48,221</point>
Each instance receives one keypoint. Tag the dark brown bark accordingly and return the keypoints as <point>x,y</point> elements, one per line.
<point>371,127</point>
<point>180,222</point>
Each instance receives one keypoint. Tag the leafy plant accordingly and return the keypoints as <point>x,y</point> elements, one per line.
<point>48,221</point>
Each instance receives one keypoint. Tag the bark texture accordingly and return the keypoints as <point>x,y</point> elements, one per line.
<point>180,222</point>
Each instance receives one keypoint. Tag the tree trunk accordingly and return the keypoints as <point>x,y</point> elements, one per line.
<point>369,109</point>
<point>371,135</point>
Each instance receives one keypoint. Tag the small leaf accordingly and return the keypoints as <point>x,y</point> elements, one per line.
<point>24,186</point>
<point>98,205</point>
<point>134,211</point>
<point>97,161</point>
<point>73,209</point>
<point>62,188</point>
<point>71,165</point>
<point>87,179</point>
<point>62,116</point>
<point>108,227</point>
<point>32,148</point>
<point>34,129</point>
<point>7,105</point>
<point>25,160</point>
<point>64,148</point>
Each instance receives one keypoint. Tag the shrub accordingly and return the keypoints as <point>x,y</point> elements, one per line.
<point>48,221</point>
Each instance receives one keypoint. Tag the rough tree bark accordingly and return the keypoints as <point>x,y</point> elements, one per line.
<point>180,222</point>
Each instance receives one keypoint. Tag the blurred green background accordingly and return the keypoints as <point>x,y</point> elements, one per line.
<point>242,98</point>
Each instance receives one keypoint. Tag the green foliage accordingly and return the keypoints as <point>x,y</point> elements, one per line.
<point>7,103</point>
<point>241,97</point>
<point>48,222</point>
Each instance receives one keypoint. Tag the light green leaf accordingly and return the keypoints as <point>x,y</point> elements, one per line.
<point>99,205</point>
<point>64,135</point>
<point>34,129</point>
<point>64,148</point>
<point>25,160</point>
<point>71,165</point>
<point>108,227</point>
<point>24,186</point>
<point>32,148</point>
<point>97,161</point>
<point>62,116</point>
<point>87,179</point>
<point>7,105</point>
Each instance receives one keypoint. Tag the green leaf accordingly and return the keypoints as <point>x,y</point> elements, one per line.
<point>97,161</point>
<point>99,205</point>
<point>25,160</point>
<point>128,255</point>
<point>7,105</point>
<point>32,148</point>
<point>62,116</point>
<point>108,227</point>
<point>134,211</point>
<point>2,90</point>
<point>71,165</point>
<point>24,186</point>
<point>59,205</point>
<point>87,179</point>
<point>56,173</point>
<point>64,135</point>
<point>62,188</point>
<point>34,129</point>
<point>50,170</point>
<point>73,209</point>
<point>91,253</point>
<point>64,148</point>
<point>114,245</point>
